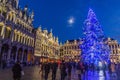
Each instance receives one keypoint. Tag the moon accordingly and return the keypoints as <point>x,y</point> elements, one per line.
<point>71,20</point>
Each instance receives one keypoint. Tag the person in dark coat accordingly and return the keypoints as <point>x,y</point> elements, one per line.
<point>54,67</point>
<point>42,70</point>
<point>3,64</point>
<point>79,70</point>
<point>47,70</point>
<point>16,69</point>
<point>69,66</point>
<point>63,70</point>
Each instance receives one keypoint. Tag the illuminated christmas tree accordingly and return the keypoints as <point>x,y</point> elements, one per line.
<point>94,49</point>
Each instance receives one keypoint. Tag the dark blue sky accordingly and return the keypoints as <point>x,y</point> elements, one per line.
<point>55,14</point>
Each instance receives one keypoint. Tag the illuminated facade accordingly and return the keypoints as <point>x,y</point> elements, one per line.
<point>46,45</point>
<point>115,50</point>
<point>70,50</point>
<point>16,36</point>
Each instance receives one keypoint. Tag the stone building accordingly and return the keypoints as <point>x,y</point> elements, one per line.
<point>115,50</point>
<point>70,50</point>
<point>16,32</point>
<point>46,45</point>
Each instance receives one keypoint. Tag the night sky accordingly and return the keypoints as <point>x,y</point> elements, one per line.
<point>66,17</point>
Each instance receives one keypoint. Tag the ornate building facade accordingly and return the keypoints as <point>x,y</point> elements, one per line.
<point>16,32</point>
<point>46,45</point>
<point>115,50</point>
<point>70,50</point>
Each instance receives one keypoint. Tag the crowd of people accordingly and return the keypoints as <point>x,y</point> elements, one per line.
<point>66,68</point>
<point>79,67</point>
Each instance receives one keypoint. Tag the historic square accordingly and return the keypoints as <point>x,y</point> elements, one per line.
<point>59,40</point>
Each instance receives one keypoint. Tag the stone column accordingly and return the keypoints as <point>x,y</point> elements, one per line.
<point>19,38</point>
<point>3,32</point>
<point>24,40</point>
<point>16,55</point>
<point>9,52</point>
<point>12,36</point>
<point>0,48</point>
<point>8,57</point>
<point>22,56</point>
<point>16,36</point>
<point>0,53</point>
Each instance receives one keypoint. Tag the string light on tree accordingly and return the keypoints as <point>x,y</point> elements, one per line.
<point>94,49</point>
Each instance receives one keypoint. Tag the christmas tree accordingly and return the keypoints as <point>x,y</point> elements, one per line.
<point>94,49</point>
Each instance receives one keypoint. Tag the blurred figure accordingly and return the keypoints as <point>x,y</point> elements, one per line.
<point>118,71</point>
<point>79,69</point>
<point>63,70</point>
<point>104,68</point>
<point>46,69</point>
<point>69,66</point>
<point>86,67</point>
<point>16,69</point>
<point>54,67</point>
<point>74,65</point>
<point>3,64</point>
<point>109,68</point>
<point>42,70</point>
<point>113,70</point>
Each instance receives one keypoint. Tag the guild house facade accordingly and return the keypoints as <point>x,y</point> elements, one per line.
<point>114,50</point>
<point>70,50</point>
<point>46,45</point>
<point>16,33</point>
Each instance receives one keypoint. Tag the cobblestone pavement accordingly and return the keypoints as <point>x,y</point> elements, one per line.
<point>32,73</point>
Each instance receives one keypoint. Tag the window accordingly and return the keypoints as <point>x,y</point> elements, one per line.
<point>17,37</point>
<point>7,33</point>
<point>0,29</point>
<point>4,14</point>
<point>14,36</point>
<point>23,40</point>
<point>20,39</point>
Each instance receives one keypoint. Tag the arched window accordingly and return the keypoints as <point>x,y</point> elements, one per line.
<point>20,39</point>
<point>17,36</point>
<point>1,29</point>
<point>0,9</point>
<point>7,32</point>
<point>9,16</point>
<point>14,36</point>
<point>23,40</point>
<point>26,41</point>
<point>4,14</point>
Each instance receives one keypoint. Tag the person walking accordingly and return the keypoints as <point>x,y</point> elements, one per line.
<point>118,71</point>
<point>113,70</point>
<point>79,70</point>
<point>16,69</point>
<point>46,70</point>
<point>104,68</point>
<point>69,66</point>
<point>3,64</point>
<point>42,70</point>
<point>54,67</point>
<point>63,70</point>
